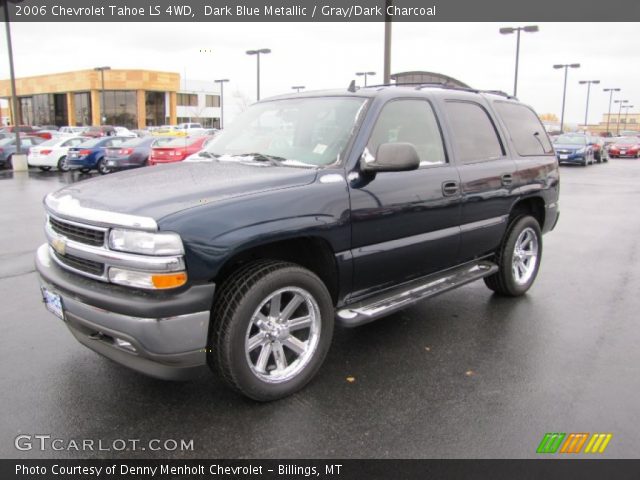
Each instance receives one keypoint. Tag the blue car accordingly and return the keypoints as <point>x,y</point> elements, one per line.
<point>91,154</point>
<point>574,149</point>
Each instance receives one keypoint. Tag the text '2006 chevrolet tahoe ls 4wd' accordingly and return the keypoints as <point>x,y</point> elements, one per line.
<point>311,208</point>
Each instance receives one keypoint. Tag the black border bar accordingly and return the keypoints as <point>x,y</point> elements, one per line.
<point>322,10</point>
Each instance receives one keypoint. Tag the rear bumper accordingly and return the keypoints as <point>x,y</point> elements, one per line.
<point>117,163</point>
<point>164,336</point>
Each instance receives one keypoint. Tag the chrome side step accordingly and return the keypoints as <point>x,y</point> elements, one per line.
<point>371,309</point>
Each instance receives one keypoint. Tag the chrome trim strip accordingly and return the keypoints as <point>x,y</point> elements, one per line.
<point>67,206</point>
<point>405,242</point>
<point>112,258</point>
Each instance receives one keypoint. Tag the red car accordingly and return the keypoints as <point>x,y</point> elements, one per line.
<point>27,130</point>
<point>177,149</point>
<point>625,147</point>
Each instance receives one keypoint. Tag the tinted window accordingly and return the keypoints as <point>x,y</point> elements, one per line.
<point>409,121</point>
<point>474,134</point>
<point>525,129</point>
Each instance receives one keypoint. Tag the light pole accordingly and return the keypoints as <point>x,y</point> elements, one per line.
<point>566,67</point>
<point>365,75</point>
<point>386,74</point>
<point>610,90</point>
<point>588,82</point>
<point>619,110</point>
<point>257,54</point>
<point>102,70</point>
<point>297,88</point>
<point>221,81</point>
<point>16,116</point>
<point>517,30</point>
<point>626,114</point>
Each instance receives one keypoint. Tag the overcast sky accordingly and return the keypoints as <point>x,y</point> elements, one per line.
<point>326,55</point>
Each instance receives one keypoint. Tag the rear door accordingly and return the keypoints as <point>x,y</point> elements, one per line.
<point>486,175</point>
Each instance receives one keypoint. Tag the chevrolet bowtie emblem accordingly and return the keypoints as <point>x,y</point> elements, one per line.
<point>59,245</point>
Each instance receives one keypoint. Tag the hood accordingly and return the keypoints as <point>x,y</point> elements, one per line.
<point>162,190</point>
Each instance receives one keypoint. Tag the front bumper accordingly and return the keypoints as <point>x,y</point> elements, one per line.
<point>164,335</point>
<point>571,158</point>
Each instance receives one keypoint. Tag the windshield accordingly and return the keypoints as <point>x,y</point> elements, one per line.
<point>53,142</point>
<point>180,142</point>
<point>134,142</point>
<point>571,140</point>
<point>628,141</point>
<point>313,131</point>
<point>91,143</point>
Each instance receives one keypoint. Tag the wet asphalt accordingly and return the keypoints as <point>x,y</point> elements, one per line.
<point>466,374</point>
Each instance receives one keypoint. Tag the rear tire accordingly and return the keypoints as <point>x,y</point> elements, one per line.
<point>62,164</point>
<point>102,167</point>
<point>272,325</point>
<point>9,163</point>
<point>518,258</point>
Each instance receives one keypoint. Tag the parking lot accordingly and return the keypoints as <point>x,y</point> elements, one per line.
<point>466,374</point>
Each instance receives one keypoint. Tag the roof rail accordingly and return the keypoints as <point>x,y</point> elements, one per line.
<point>448,86</point>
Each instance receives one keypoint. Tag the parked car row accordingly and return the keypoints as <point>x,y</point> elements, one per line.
<point>625,147</point>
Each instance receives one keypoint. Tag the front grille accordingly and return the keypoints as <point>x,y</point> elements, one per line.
<point>82,264</point>
<point>77,233</point>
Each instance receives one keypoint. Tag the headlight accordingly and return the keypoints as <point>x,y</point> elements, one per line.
<point>153,281</point>
<point>147,243</point>
<point>582,150</point>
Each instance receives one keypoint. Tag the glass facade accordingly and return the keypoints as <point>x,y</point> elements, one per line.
<point>120,108</point>
<point>187,100</point>
<point>44,109</point>
<point>155,108</point>
<point>82,106</point>
<point>213,100</point>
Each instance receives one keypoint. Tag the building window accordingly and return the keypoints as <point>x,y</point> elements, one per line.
<point>187,100</point>
<point>213,100</point>
<point>120,108</point>
<point>155,108</point>
<point>82,107</point>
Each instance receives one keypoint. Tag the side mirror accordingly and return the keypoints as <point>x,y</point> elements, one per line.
<point>391,157</point>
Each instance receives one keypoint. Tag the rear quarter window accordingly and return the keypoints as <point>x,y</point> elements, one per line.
<point>525,129</point>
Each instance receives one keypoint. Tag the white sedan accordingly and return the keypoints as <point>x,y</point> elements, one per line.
<point>53,153</point>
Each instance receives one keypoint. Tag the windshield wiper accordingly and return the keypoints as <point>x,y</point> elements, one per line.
<point>263,157</point>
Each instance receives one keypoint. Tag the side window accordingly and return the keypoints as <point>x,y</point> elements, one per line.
<point>409,121</point>
<point>473,133</point>
<point>525,129</point>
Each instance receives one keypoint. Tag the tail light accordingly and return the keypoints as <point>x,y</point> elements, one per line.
<point>125,151</point>
<point>84,152</point>
<point>45,152</point>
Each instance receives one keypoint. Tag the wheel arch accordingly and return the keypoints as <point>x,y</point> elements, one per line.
<point>533,205</point>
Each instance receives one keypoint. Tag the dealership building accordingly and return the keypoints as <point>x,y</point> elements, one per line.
<point>129,98</point>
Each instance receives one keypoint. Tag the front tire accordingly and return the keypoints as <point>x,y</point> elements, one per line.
<point>518,258</point>
<point>45,168</point>
<point>272,325</point>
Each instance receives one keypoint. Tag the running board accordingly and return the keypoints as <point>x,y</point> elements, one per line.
<point>373,308</point>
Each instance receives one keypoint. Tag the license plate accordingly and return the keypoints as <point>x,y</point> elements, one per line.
<point>564,157</point>
<point>53,303</point>
<point>111,163</point>
<point>623,152</point>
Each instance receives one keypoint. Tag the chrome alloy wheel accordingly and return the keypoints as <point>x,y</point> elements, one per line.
<point>283,335</point>
<point>525,256</point>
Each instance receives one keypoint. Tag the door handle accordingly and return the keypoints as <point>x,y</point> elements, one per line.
<point>507,179</point>
<point>450,188</point>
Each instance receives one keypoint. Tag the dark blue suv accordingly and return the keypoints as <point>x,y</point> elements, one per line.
<point>90,154</point>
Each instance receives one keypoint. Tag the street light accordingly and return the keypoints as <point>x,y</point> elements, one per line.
<point>297,88</point>
<point>588,82</point>
<point>510,30</point>
<point>365,75</point>
<point>102,70</point>
<point>221,81</point>
<point>257,54</point>
<point>566,67</point>
<point>610,90</point>
<point>619,110</point>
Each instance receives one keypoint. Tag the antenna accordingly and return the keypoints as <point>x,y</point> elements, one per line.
<point>352,86</point>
